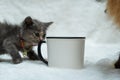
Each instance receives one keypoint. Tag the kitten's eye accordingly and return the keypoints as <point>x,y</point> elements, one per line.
<point>37,34</point>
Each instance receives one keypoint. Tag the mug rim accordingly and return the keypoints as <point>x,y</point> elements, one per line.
<point>66,37</point>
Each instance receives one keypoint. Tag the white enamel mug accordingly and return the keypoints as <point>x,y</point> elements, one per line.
<point>66,52</point>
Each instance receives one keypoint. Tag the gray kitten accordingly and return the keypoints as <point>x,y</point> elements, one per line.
<point>15,38</point>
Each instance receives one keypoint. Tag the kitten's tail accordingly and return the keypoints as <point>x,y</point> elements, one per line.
<point>40,54</point>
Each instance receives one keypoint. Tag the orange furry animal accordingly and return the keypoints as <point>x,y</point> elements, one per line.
<point>113,9</point>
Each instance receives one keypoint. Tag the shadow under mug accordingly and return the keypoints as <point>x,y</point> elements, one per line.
<point>66,52</point>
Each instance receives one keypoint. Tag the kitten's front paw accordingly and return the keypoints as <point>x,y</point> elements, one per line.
<point>33,58</point>
<point>16,61</point>
<point>32,55</point>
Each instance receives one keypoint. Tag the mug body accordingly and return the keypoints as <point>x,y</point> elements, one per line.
<point>66,52</point>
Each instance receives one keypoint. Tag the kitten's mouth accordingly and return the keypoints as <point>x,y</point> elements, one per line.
<point>34,44</point>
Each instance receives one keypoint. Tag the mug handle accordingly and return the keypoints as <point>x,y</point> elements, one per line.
<point>40,54</point>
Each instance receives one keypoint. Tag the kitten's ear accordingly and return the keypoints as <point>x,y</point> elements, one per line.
<point>28,21</point>
<point>48,24</point>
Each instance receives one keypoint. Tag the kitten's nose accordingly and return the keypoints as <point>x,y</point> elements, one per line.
<point>40,38</point>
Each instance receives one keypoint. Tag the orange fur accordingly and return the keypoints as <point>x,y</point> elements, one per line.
<point>113,9</point>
